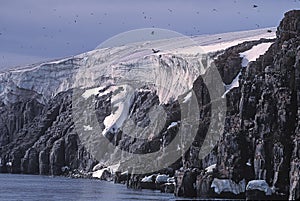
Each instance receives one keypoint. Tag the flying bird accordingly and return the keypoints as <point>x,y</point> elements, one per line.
<point>255,6</point>
<point>155,51</point>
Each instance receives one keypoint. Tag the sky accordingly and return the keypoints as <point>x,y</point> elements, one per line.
<point>41,30</point>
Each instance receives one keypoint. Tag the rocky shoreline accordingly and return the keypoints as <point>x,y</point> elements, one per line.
<point>257,155</point>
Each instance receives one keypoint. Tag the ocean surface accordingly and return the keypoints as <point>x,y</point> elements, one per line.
<point>40,188</point>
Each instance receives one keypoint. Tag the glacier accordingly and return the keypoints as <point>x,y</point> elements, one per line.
<point>50,78</point>
<point>121,71</point>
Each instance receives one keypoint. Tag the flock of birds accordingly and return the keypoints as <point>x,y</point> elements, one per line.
<point>76,20</point>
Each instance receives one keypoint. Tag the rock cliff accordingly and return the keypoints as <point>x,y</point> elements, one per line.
<point>260,139</point>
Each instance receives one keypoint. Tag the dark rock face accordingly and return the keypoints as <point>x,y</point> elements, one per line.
<point>269,92</point>
<point>261,137</point>
<point>44,141</point>
<point>289,27</point>
<point>229,63</point>
<point>186,183</point>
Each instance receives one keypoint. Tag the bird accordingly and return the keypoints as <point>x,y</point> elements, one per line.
<point>255,6</point>
<point>152,32</point>
<point>155,51</point>
<point>170,10</point>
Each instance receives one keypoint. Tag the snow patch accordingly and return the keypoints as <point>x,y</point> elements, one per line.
<point>260,185</point>
<point>227,185</point>
<point>232,39</point>
<point>121,102</point>
<point>162,178</point>
<point>248,56</point>
<point>147,178</point>
<point>173,124</point>
<point>114,168</point>
<point>210,169</point>
<point>87,128</point>
<point>98,174</point>
<point>94,91</point>
<point>187,97</point>
<point>254,53</point>
<point>234,84</point>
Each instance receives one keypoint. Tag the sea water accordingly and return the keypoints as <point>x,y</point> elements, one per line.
<point>38,188</point>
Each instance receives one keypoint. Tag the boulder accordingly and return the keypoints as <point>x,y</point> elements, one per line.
<point>260,185</point>
<point>227,185</point>
<point>103,174</point>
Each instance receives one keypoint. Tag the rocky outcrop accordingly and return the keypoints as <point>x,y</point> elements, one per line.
<point>260,140</point>
<point>47,141</point>
<point>229,63</point>
<point>186,183</point>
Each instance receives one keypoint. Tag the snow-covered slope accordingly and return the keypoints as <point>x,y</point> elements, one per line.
<point>108,82</point>
<point>103,66</point>
<point>248,56</point>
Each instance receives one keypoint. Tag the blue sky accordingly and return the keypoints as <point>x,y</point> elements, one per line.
<point>35,30</point>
